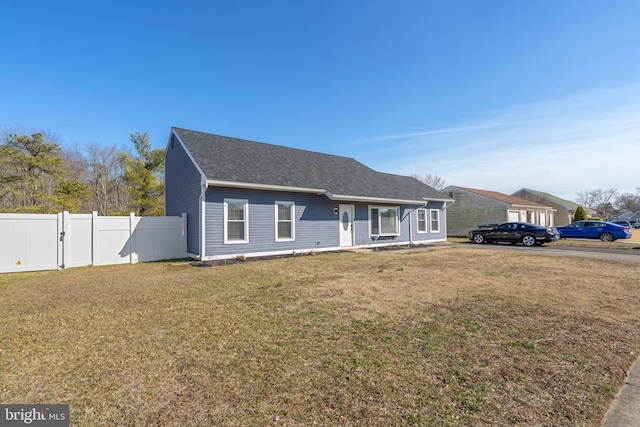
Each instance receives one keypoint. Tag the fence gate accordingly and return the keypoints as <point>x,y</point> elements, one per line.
<point>29,242</point>
<point>32,242</point>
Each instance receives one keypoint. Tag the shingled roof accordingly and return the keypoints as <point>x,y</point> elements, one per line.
<point>501,197</point>
<point>566,203</point>
<point>241,163</point>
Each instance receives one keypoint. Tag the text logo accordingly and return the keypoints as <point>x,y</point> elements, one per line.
<point>34,415</point>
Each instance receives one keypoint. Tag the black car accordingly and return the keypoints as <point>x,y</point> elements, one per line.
<point>515,232</point>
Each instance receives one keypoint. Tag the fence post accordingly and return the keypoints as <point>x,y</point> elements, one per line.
<point>95,232</point>
<point>64,239</point>
<point>133,255</point>
<point>60,243</point>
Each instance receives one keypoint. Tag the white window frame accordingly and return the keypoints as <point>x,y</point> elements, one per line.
<point>380,234</point>
<point>435,229</point>
<point>292,210</point>
<point>424,220</point>
<point>226,221</point>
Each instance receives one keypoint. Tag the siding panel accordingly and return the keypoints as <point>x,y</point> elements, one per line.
<point>317,227</point>
<point>471,210</point>
<point>182,191</point>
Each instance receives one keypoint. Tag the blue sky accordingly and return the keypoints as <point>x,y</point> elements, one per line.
<point>492,94</point>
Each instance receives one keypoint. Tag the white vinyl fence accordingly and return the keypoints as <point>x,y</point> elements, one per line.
<point>30,242</point>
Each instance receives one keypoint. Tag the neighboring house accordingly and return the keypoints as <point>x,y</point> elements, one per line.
<point>565,209</point>
<point>475,207</point>
<point>631,217</point>
<point>245,198</point>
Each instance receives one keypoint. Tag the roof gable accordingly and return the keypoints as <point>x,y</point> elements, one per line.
<point>563,202</point>
<point>505,198</point>
<point>257,165</point>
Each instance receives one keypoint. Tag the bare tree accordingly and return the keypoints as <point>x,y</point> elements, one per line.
<point>600,200</point>
<point>628,202</point>
<point>104,176</point>
<point>431,180</point>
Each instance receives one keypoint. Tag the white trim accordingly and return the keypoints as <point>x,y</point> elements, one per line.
<point>202,231</point>
<point>316,250</point>
<point>253,186</point>
<point>292,210</point>
<point>245,221</point>
<point>346,198</point>
<point>437,211</point>
<point>352,216</point>
<point>321,192</point>
<point>426,221</point>
<point>397,209</point>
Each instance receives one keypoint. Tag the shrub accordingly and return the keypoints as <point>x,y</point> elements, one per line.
<point>580,214</point>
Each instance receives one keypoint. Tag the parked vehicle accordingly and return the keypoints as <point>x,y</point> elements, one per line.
<point>623,223</point>
<point>636,225</point>
<point>605,231</point>
<point>515,232</point>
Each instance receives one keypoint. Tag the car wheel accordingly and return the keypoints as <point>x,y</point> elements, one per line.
<point>528,240</point>
<point>607,237</point>
<point>478,238</point>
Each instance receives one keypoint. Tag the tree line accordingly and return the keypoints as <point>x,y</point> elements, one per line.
<point>38,176</point>
<point>609,203</point>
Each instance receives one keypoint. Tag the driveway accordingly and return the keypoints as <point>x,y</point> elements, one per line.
<point>627,254</point>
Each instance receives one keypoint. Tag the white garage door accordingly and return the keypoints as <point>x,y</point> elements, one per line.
<point>513,216</point>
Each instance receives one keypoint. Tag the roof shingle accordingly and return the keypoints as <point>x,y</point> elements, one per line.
<point>503,197</point>
<point>236,160</point>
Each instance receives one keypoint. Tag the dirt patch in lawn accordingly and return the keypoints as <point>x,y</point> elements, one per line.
<point>447,337</point>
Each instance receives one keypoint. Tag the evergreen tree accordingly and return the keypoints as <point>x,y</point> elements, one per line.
<point>31,167</point>
<point>69,195</point>
<point>580,215</point>
<point>143,176</point>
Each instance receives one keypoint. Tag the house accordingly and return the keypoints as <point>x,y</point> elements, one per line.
<point>475,207</point>
<point>632,218</point>
<point>245,198</point>
<point>565,209</point>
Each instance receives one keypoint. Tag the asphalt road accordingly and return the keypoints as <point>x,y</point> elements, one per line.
<point>631,254</point>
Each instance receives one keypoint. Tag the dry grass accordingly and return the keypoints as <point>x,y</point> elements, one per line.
<point>447,337</point>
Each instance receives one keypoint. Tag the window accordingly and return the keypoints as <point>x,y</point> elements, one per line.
<point>236,221</point>
<point>383,221</point>
<point>434,215</point>
<point>285,221</point>
<point>422,220</point>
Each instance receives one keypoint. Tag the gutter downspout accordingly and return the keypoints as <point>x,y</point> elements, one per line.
<point>202,202</point>
<point>410,222</point>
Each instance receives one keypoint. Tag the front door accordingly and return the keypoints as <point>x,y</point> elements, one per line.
<point>346,214</point>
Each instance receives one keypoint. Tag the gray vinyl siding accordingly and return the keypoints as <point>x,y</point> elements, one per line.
<point>317,227</point>
<point>430,234</point>
<point>182,191</point>
<point>471,210</point>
